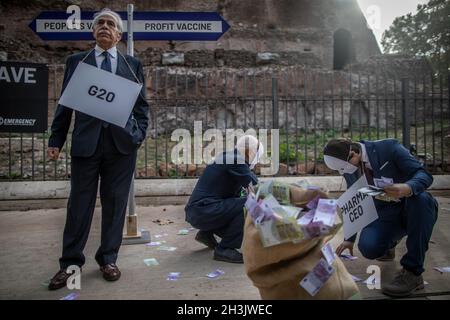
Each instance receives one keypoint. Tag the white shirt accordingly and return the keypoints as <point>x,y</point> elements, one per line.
<point>364,156</point>
<point>99,57</point>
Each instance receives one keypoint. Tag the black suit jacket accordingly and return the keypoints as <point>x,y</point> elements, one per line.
<point>86,128</point>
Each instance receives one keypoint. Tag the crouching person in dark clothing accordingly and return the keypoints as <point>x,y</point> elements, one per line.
<point>216,207</point>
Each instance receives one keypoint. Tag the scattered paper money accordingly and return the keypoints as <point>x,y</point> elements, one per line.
<point>326,212</point>
<point>313,203</point>
<point>442,269</point>
<point>306,218</point>
<point>309,228</point>
<point>215,274</point>
<point>347,257</point>
<point>45,283</point>
<point>264,189</point>
<point>278,223</point>
<point>302,184</point>
<point>167,248</point>
<point>71,296</point>
<point>278,189</point>
<point>305,185</point>
<point>292,212</point>
<point>259,211</point>
<point>315,280</point>
<point>275,232</point>
<point>356,279</point>
<point>383,182</point>
<point>281,192</point>
<point>328,253</point>
<point>157,236</point>
<point>154,243</point>
<point>372,191</point>
<point>151,262</point>
<point>378,193</point>
<point>183,232</point>
<point>173,276</point>
<point>372,281</point>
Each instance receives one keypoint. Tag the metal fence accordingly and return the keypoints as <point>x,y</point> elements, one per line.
<point>307,106</point>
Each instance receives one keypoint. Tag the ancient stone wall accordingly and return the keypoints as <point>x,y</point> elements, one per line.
<point>300,31</point>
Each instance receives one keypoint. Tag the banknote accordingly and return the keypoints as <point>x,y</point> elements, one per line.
<point>183,232</point>
<point>326,212</point>
<point>70,296</point>
<point>167,248</point>
<point>328,253</point>
<point>315,279</point>
<point>151,262</point>
<point>216,273</point>
<point>279,190</point>
<point>173,276</point>
<point>442,269</point>
<point>313,203</point>
<point>276,231</point>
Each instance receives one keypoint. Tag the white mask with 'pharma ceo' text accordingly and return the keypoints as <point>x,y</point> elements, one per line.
<point>342,166</point>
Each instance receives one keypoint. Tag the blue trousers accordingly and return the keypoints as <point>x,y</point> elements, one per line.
<point>415,218</point>
<point>224,217</point>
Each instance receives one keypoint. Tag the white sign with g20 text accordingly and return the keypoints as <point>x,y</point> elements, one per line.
<point>100,94</point>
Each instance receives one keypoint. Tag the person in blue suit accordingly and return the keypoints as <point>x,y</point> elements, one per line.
<point>99,150</point>
<point>413,215</point>
<point>216,206</point>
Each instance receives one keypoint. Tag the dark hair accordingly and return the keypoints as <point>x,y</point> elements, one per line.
<point>340,148</point>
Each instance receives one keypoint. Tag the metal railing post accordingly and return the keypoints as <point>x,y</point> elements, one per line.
<point>406,118</point>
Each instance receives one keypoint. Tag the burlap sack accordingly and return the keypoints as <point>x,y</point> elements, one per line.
<point>277,271</point>
<point>300,197</point>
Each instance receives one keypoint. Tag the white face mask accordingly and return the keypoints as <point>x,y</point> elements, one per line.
<point>257,156</point>
<point>342,166</point>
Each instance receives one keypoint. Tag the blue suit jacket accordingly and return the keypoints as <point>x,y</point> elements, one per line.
<point>222,181</point>
<point>216,196</point>
<point>396,163</point>
<point>86,128</point>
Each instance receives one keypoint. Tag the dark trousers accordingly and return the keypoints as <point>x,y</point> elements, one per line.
<point>224,218</point>
<point>414,219</point>
<point>115,171</point>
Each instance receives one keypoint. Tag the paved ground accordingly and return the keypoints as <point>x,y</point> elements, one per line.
<point>30,244</point>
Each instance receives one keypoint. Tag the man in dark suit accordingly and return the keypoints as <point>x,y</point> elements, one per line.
<point>391,166</point>
<point>99,149</point>
<point>216,206</point>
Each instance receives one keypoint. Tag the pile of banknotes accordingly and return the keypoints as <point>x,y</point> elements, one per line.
<point>279,190</point>
<point>279,222</point>
<point>378,193</point>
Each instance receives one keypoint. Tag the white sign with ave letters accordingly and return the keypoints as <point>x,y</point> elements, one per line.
<point>100,94</point>
<point>358,209</point>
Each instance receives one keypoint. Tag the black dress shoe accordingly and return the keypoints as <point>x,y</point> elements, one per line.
<point>59,280</point>
<point>228,255</point>
<point>110,272</point>
<point>206,238</point>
